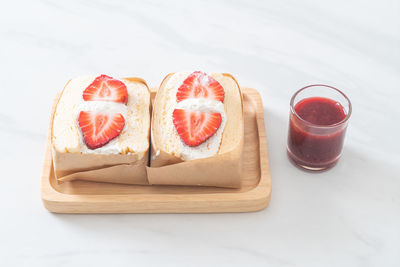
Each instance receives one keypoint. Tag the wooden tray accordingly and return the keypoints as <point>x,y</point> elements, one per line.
<point>91,197</point>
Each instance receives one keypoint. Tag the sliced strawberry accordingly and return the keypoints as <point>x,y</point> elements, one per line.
<point>195,127</point>
<point>200,85</point>
<point>105,88</point>
<point>100,128</point>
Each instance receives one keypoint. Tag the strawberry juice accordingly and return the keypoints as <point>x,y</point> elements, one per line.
<point>316,132</point>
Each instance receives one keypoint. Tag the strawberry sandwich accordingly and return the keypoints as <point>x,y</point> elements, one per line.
<point>100,130</point>
<point>197,130</point>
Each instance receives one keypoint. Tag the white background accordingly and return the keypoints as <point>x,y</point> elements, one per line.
<point>349,216</point>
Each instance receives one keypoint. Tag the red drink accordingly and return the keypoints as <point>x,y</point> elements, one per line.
<point>317,130</point>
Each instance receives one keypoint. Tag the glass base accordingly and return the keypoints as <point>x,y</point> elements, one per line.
<point>311,167</point>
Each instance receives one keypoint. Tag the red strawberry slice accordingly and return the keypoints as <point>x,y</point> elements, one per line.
<point>105,88</point>
<point>200,85</point>
<point>195,127</point>
<point>100,128</point>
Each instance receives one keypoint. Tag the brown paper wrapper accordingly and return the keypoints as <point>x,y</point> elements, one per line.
<point>223,170</point>
<point>114,168</point>
<point>87,167</point>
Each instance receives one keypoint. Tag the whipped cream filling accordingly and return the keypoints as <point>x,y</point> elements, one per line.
<point>107,107</point>
<point>211,146</point>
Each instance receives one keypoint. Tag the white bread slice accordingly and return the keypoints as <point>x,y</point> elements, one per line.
<point>167,146</point>
<point>73,160</point>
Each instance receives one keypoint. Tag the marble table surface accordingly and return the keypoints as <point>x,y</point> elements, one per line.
<point>348,216</point>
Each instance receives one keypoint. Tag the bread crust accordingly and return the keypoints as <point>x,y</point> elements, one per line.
<point>114,168</point>
<point>221,170</point>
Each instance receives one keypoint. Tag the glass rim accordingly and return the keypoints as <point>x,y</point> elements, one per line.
<point>316,125</point>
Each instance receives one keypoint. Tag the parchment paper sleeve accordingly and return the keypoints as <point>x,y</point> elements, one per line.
<point>124,169</point>
<point>223,170</point>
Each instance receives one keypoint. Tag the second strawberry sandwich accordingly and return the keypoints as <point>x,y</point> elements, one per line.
<point>100,130</point>
<point>197,131</point>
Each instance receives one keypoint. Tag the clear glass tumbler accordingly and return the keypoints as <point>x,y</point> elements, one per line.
<point>318,121</point>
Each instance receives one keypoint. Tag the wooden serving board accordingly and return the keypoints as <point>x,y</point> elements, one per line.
<point>92,197</point>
